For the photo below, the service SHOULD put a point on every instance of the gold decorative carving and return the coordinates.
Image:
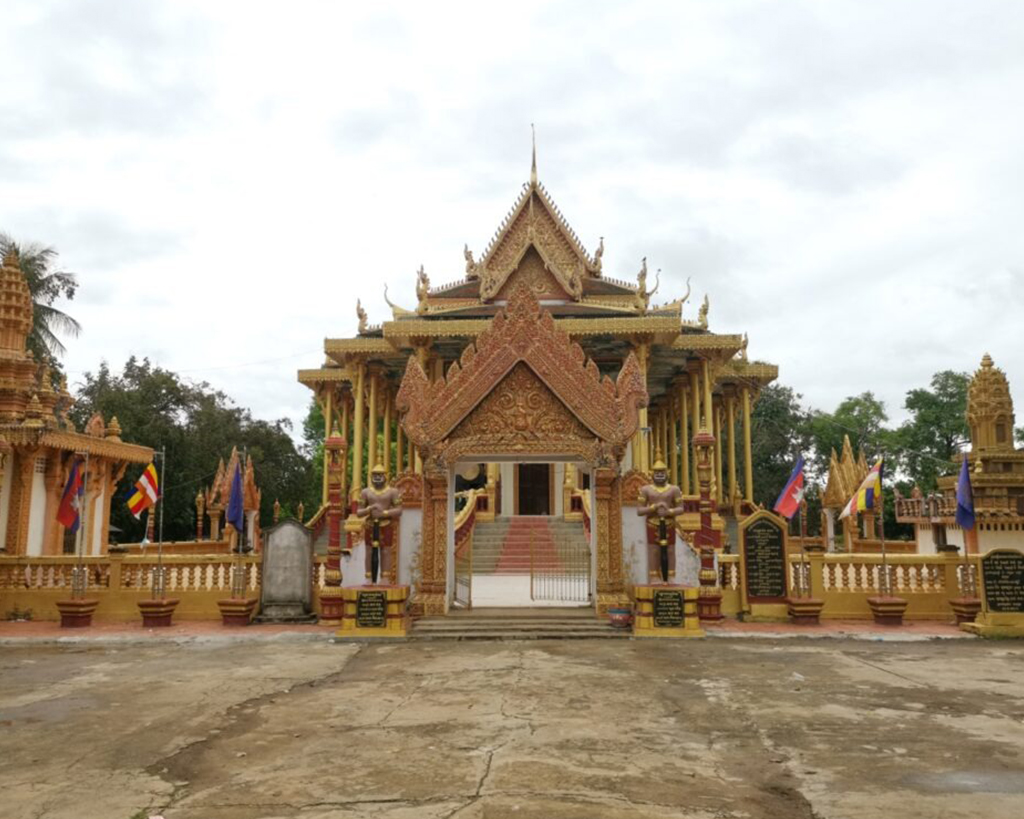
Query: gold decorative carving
(521, 416)
(990, 409)
(632, 482)
(535, 222)
(411, 486)
(534, 275)
(523, 333)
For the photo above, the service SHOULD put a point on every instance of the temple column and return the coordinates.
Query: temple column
(673, 441)
(663, 430)
(716, 414)
(387, 428)
(684, 442)
(708, 417)
(326, 407)
(731, 424)
(641, 440)
(431, 596)
(372, 453)
(357, 430)
(695, 422)
(607, 518)
(748, 461)
(399, 446)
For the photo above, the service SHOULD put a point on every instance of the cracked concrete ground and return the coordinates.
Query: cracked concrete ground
(696, 729)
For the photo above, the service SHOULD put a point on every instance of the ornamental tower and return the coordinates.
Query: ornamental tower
(990, 410)
(17, 366)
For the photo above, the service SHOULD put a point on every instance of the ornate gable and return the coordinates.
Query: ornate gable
(535, 222)
(844, 476)
(523, 334)
(521, 415)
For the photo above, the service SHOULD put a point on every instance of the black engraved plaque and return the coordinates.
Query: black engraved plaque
(371, 609)
(668, 608)
(1002, 573)
(764, 555)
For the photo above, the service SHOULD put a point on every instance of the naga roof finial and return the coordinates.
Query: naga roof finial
(361, 314)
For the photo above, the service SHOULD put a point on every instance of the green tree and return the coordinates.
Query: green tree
(937, 428)
(197, 426)
(46, 284)
(862, 417)
(779, 432)
(313, 450)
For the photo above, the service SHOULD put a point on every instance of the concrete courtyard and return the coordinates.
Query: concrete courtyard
(295, 726)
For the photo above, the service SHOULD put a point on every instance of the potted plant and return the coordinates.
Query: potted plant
(620, 617)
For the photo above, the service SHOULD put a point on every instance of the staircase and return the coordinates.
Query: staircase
(516, 624)
(502, 547)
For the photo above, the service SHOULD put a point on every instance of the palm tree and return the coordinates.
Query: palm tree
(45, 284)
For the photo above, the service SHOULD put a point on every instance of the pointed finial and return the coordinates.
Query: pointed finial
(533, 164)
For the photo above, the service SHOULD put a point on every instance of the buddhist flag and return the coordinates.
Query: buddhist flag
(964, 497)
(868, 493)
(792, 493)
(68, 513)
(146, 492)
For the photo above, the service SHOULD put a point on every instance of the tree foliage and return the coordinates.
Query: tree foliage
(862, 417)
(937, 428)
(197, 425)
(779, 432)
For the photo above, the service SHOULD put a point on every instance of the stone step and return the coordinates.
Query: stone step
(521, 624)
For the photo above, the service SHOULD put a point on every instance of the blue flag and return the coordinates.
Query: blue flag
(964, 497)
(236, 512)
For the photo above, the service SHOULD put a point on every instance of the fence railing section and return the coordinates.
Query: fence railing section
(845, 581)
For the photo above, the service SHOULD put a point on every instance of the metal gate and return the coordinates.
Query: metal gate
(562, 574)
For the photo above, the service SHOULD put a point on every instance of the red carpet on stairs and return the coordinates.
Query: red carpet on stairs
(515, 552)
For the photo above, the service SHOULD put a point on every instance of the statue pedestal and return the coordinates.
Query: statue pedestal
(374, 611)
(996, 624)
(666, 611)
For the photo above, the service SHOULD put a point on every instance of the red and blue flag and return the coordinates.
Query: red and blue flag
(793, 492)
(69, 511)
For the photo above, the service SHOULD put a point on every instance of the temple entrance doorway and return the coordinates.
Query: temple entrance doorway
(534, 489)
(536, 551)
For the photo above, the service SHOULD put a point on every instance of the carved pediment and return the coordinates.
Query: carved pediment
(535, 225)
(523, 334)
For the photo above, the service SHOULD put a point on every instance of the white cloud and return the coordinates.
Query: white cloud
(228, 178)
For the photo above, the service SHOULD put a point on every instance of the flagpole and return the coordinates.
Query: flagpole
(78, 583)
(886, 588)
(163, 474)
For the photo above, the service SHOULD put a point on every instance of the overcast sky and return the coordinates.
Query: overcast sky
(844, 179)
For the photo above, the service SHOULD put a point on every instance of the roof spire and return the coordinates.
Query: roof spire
(533, 164)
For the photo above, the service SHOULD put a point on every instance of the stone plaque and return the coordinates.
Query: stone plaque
(764, 556)
(668, 608)
(286, 592)
(371, 609)
(1002, 573)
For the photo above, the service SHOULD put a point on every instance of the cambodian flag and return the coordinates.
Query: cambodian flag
(793, 492)
(71, 500)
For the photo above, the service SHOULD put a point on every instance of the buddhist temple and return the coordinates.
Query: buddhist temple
(582, 341)
(997, 477)
(38, 443)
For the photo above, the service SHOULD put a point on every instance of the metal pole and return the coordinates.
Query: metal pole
(163, 473)
(886, 585)
(78, 583)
